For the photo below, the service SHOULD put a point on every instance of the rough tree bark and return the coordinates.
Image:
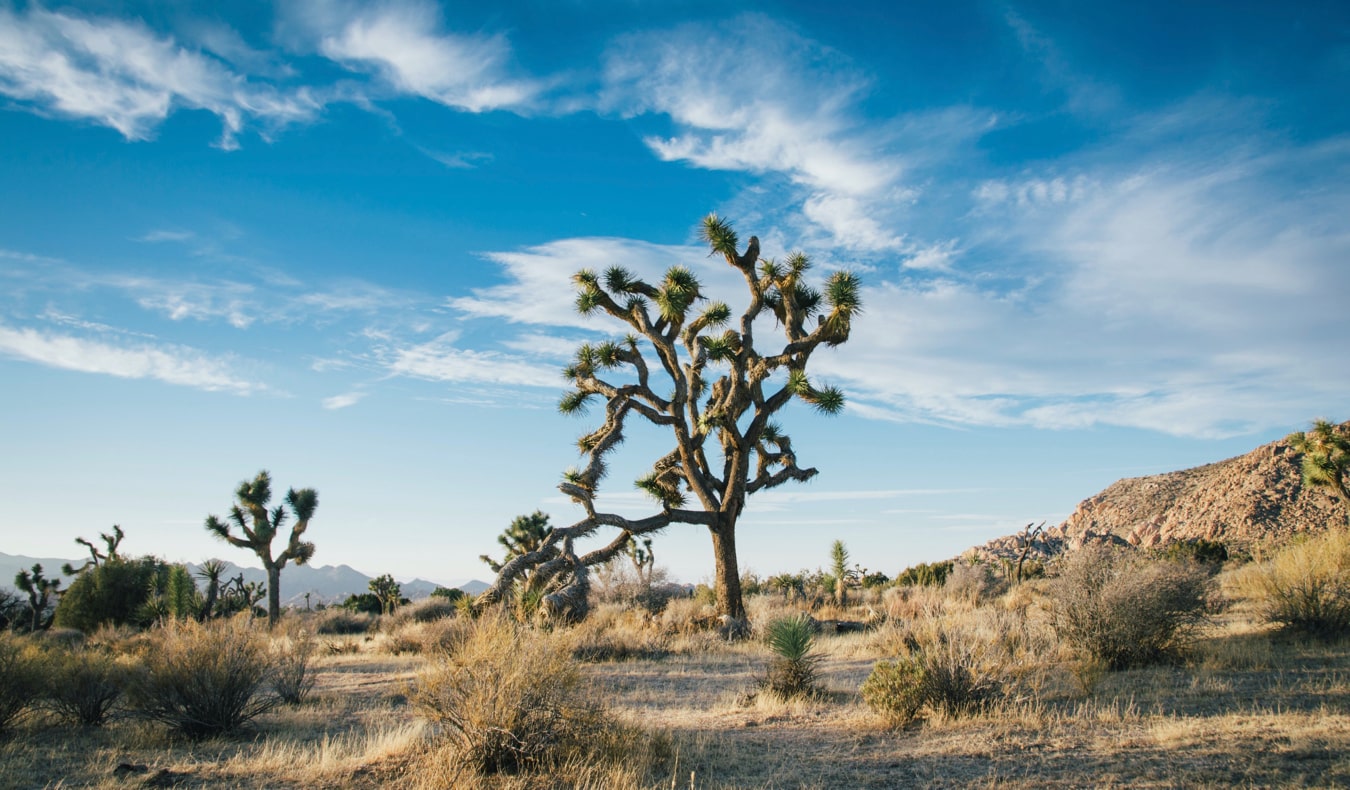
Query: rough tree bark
(716, 394)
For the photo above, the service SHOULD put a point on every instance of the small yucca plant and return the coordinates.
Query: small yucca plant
(795, 667)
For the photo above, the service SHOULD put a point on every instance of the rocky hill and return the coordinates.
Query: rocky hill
(1250, 499)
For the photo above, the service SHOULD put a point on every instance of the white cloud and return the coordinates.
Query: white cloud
(170, 364)
(343, 401)
(1197, 297)
(441, 360)
(402, 42)
(789, 110)
(539, 288)
(156, 236)
(458, 160)
(541, 345)
(122, 75)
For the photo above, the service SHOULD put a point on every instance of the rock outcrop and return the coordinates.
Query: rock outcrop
(1244, 501)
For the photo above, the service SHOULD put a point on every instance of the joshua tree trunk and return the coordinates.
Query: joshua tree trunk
(728, 573)
(273, 593)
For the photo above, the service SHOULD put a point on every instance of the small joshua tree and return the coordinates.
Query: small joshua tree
(691, 367)
(839, 569)
(40, 591)
(110, 543)
(1326, 458)
(387, 591)
(210, 572)
(526, 534)
(257, 526)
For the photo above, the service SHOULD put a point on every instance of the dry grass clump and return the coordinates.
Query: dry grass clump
(1305, 586)
(1121, 609)
(973, 583)
(905, 603)
(617, 633)
(292, 655)
(427, 610)
(205, 679)
(20, 678)
(688, 616)
(83, 684)
(338, 621)
(952, 667)
(510, 699)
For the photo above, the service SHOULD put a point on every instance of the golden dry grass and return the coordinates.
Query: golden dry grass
(1248, 708)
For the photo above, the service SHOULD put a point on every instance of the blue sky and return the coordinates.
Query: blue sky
(333, 240)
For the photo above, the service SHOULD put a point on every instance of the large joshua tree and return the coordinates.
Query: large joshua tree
(690, 366)
(257, 526)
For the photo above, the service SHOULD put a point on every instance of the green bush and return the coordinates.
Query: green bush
(925, 575)
(895, 690)
(340, 621)
(21, 680)
(113, 593)
(204, 679)
(1199, 550)
(1125, 609)
(1305, 587)
(83, 685)
(795, 667)
(954, 671)
(509, 699)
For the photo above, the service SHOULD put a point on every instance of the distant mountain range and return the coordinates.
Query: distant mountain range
(324, 583)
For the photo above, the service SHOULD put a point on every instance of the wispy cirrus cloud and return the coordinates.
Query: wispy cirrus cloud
(123, 75)
(405, 45)
(167, 363)
(1188, 293)
(442, 360)
(791, 111)
(343, 401)
(539, 287)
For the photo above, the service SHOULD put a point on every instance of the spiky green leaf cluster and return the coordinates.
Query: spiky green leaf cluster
(574, 402)
(662, 487)
(678, 291)
(718, 233)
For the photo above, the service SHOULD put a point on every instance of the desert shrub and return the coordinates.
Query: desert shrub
(204, 679)
(894, 690)
(614, 632)
(925, 575)
(795, 666)
(973, 582)
(21, 680)
(113, 593)
(364, 603)
(1125, 609)
(1205, 552)
(509, 699)
(958, 674)
(292, 653)
(444, 636)
(687, 616)
(450, 594)
(951, 669)
(426, 610)
(1305, 586)
(338, 621)
(84, 684)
